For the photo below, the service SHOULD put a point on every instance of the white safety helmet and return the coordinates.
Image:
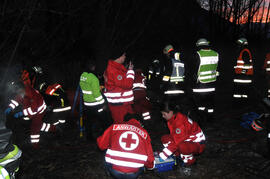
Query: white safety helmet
(242, 41)
(202, 42)
(37, 69)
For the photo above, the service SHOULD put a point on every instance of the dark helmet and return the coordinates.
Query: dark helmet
(167, 49)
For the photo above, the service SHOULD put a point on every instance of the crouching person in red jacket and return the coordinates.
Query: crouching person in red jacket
(129, 149)
(28, 104)
(186, 138)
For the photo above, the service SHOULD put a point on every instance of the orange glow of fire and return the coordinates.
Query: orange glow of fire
(260, 16)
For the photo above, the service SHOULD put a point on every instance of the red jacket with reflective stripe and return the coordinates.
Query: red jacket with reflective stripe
(241, 66)
(118, 83)
(32, 102)
(128, 146)
(184, 129)
(139, 88)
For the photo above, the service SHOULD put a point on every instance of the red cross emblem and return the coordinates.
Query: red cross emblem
(129, 140)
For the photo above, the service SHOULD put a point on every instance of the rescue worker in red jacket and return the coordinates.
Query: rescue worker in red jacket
(128, 147)
(118, 86)
(186, 138)
(54, 95)
(29, 76)
(266, 68)
(33, 108)
(142, 105)
(243, 75)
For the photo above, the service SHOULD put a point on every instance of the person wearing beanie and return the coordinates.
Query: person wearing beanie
(118, 86)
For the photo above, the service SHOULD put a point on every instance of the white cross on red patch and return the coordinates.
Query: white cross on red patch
(129, 140)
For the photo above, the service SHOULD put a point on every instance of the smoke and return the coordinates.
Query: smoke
(8, 77)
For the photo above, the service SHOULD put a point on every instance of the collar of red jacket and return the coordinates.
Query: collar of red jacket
(116, 65)
(134, 122)
(172, 119)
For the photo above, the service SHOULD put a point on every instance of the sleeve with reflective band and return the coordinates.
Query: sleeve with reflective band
(208, 66)
(128, 147)
(52, 88)
(166, 78)
(96, 90)
(13, 104)
(31, 111)
(241, 67)
(139, 81)
(169, 146)
(33, 104)
(3, 173)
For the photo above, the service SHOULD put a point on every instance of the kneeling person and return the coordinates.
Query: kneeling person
(186, 137)
(128, 147)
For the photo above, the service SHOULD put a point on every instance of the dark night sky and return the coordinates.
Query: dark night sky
(61, 35)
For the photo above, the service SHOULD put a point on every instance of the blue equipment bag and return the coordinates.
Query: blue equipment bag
(247, 119)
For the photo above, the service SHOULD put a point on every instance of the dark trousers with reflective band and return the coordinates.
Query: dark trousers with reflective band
(121, 175)
(56, 118)
(141, 104)
(205, 101)
(95, 122)
(242, 95)
(177, 93)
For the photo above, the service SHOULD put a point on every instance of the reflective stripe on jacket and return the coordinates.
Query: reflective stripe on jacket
(128, 147)
(177, 71)
(118, 83)
(32, 102)
(241, 67)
